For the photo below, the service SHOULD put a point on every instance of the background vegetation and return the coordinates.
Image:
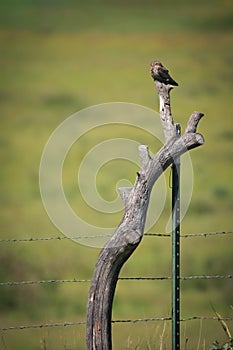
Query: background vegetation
(58, 57)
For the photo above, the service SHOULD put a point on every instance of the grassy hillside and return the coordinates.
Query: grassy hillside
(58, 57)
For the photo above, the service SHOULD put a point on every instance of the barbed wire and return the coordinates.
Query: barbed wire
(205, 234)
(43, 325)
(79, 323)
(59, 238)
(192, 318)
(15, 283)
(74, 280)
(181, 278)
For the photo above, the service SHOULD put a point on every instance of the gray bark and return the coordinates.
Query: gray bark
(129, 233)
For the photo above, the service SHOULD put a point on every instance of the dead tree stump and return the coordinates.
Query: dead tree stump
(129, 233)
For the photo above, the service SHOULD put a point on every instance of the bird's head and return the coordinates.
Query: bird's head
(154, 67)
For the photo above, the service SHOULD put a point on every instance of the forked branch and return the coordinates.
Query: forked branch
(136, 199)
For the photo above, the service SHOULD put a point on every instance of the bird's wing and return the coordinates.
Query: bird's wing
(164, 72)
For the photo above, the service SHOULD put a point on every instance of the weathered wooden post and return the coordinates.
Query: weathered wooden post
(129, 233)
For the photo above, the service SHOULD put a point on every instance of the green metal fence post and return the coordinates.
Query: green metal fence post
(176, 251)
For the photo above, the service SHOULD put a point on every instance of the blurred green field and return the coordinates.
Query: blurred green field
(58, 57)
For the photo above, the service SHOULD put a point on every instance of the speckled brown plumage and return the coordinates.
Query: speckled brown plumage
(161, 74)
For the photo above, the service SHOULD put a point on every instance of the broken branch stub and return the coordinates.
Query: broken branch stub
(129, 233)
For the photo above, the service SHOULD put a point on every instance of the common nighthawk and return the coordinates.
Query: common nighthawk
(161, 74)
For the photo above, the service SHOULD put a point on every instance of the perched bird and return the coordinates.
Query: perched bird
(161, 74)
